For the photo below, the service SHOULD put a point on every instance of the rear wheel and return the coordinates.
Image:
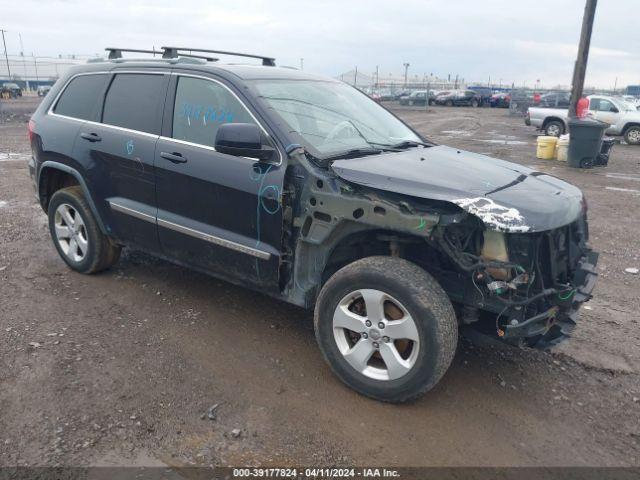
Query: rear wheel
(449, 103)
(554, 128)
(632, 135)
(76, 234)
(474, 103)
(386, 328)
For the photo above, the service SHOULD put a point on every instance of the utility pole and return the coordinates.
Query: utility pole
(580, 68)
(377, 75)
(355, 77)
(35, 66)
(301, 63)
(406, 70)
(6, 57)
(24, 62)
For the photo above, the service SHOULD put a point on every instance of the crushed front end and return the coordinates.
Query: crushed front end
(533, 283)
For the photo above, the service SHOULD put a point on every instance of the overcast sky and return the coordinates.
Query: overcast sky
(519, 41)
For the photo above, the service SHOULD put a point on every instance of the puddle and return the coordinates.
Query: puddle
(3, 203)
(623, 176)
(502, 142)
(615, 189)
(8, 157)
(459, 133)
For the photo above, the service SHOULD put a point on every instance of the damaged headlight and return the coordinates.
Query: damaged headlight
(494, 248)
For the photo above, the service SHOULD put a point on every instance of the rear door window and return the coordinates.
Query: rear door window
(81, 98)
(201, 106)
(135, 101)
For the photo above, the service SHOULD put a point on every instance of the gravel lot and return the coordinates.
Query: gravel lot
(121, 368)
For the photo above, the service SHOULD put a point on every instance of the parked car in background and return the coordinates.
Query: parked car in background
(43, 90)
(11, 90)
(632, 100)
(458, 97)
(401, 93)
(386, 95)
(555, 100)
(500, 100)
(623, 118)
(418, 97)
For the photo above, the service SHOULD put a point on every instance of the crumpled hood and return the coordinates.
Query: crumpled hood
(505, 196)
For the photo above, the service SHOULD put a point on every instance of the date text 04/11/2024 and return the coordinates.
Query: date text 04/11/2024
(315, 473)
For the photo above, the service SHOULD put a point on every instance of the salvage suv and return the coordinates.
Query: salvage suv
(303, 188)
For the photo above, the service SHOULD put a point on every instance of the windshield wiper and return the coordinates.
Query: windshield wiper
(353, 153)
(409, 144)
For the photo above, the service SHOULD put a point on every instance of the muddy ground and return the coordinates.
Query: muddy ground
(121, 367)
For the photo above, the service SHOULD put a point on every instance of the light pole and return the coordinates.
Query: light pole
(406, 71)
(301, 63)
(24, 62)
(6, 57)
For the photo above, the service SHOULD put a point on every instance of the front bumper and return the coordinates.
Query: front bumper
(559, 320)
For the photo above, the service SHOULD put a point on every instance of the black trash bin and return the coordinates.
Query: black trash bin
(605, 151)
(585, 141)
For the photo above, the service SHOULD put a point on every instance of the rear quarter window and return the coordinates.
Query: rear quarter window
(81, 97)
(135, 101)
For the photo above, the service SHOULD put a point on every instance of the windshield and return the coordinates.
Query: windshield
(332, 117)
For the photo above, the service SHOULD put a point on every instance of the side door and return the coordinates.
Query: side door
(604, 110)
(121, 149)
(219, 213)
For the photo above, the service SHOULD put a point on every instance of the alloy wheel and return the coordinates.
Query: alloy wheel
(376, 334)
(71, 232)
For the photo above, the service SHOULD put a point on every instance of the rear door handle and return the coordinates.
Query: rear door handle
(174, 157)
(92, 137)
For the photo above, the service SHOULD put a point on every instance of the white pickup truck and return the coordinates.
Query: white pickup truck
(623, 118)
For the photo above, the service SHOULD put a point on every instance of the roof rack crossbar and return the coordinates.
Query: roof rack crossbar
(117, 52)
(172, 52)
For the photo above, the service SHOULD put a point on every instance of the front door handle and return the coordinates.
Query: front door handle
(92, 137)
(174, 157)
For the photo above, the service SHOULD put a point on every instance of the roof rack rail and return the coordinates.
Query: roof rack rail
(115, 53)
(173, 52)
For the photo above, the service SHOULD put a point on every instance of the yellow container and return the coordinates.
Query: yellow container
(546, 147)
(562, 148)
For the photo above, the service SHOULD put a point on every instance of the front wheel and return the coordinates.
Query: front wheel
(449, 103)
(386, 328)
(474, 103)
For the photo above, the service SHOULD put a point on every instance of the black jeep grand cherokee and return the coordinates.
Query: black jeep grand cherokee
(303, 188)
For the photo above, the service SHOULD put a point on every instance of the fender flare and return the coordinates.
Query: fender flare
(49, 164)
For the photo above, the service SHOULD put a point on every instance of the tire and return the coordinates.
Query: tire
(449, 103)
(554, 128)
(422, 311)
(69, 212)
(474, 103)
(632, 135)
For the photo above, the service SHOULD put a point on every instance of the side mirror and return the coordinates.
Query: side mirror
(242, 140)
(613, 110)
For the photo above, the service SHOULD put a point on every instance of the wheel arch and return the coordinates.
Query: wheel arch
(53, 176)
(629, 125)
(349, 242)
(548, 120)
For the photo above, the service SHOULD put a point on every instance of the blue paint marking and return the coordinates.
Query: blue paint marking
(129, 146)
(207, 113)
(265, 192)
